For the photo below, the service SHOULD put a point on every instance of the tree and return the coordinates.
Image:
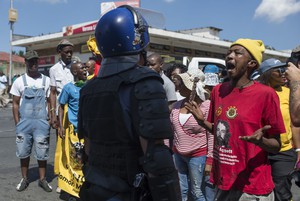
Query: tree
(19, 53)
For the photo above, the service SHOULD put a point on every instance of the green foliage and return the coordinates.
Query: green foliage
(19, 53)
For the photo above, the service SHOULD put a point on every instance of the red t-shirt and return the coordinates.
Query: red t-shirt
(238, 112)
(97, 68)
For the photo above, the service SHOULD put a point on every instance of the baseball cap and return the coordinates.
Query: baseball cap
(269, 64)
(255, 75)
(31, 54)
(211, 69)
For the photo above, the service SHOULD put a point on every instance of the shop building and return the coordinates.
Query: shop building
(173, 45)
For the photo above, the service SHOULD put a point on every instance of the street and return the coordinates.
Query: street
(10, 173)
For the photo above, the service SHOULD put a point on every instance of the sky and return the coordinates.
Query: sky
(275, 22)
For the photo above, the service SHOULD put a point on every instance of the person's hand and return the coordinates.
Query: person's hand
(292, 73)
(193, 108)
(61, 132)
(257, 136)
(207, 170)
(54, 122)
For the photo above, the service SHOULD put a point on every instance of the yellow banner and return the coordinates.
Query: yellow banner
(68, 159)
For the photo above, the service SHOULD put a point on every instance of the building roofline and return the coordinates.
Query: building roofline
(158, 35)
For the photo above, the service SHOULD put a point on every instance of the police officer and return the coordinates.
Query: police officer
(124, 117)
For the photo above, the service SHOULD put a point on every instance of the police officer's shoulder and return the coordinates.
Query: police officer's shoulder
(148, 84)
(141, 73)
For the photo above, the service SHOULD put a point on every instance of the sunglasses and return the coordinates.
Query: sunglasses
(281, 70)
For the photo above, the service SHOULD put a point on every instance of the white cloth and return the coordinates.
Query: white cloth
(3, 101)
(201, 92)
(188, 80)
(211, 79)
(3, 80)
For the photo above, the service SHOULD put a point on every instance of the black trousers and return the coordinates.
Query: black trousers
(282, 164)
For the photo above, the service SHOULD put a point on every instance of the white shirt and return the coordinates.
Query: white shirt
(18, 87)
(60, 75)
(183, 118)
(3, 79)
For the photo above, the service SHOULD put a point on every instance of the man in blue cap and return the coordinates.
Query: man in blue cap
(273, 75)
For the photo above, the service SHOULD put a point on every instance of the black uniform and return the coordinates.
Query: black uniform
(114, 112)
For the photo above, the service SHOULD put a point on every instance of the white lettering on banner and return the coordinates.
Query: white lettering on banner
(89, 28)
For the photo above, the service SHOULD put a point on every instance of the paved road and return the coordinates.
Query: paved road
(10, 173)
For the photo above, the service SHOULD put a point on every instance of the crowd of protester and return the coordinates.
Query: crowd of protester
(209, 134)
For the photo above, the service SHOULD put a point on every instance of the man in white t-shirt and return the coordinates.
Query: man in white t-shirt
(30, 102)
(3, 81)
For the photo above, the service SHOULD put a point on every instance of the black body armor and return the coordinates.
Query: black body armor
(114, 111)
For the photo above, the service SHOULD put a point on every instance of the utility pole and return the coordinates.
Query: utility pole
(12, 18)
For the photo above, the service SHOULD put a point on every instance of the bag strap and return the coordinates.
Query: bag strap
(24, 80)
(44, 80)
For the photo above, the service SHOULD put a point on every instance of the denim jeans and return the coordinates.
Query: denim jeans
(191, 175)
(210, 189)
(33, 132)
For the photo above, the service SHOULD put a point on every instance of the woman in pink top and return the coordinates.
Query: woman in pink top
(192, 144)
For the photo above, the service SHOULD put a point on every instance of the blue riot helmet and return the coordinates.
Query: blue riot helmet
(122, 31)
